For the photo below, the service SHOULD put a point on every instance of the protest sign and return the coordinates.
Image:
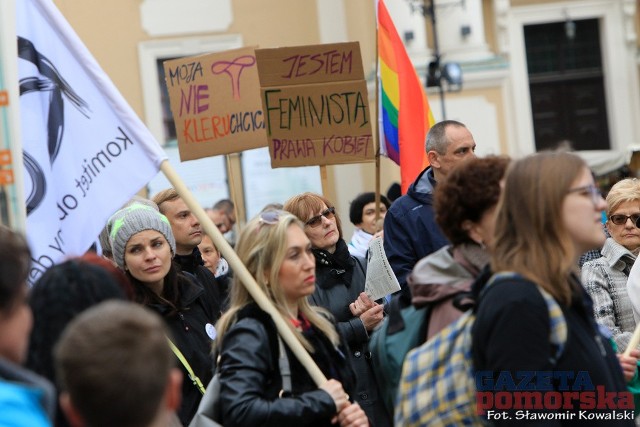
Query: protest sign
(315, 104)
(215, 100)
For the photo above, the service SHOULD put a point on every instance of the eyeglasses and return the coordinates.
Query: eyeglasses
(620, 219)
(588, 190)
(315, 221)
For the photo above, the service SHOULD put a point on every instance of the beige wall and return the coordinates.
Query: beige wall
(275, 23)
(111, 31)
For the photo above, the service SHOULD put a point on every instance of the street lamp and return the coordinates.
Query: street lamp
(437, 72)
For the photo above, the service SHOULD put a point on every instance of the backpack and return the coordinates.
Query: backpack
(437, 386)
(403, 329)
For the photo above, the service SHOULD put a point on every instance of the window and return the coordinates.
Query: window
(566, 85)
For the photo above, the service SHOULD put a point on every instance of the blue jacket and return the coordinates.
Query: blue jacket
(410, 228)
(26, 399)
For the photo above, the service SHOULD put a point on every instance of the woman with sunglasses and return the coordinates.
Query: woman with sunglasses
(605, 278)
(277, 253)
(548, 215)
(340, 280)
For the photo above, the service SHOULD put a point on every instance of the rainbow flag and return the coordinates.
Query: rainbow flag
(404, 113)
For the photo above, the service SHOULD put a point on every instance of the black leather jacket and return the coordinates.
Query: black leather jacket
(250, 380)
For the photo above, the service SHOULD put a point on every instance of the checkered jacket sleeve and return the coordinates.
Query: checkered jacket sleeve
(607, 286)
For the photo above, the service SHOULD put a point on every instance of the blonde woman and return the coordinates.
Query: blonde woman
(605, 278)
(277, 253)
(340, 280)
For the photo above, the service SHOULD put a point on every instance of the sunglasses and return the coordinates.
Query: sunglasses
(315, 221)
(269, 217)
(619, 219)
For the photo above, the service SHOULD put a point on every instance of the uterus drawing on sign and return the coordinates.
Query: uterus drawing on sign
(234, 69)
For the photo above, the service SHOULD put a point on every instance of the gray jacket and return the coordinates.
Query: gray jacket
(605, 279)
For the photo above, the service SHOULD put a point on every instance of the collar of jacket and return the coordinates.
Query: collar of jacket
(422, 188)
(614, 252)
(190, 291)
(189, 262)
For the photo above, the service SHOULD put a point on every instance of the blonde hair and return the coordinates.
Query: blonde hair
(627, 190)
(530, 236)
(262, 247)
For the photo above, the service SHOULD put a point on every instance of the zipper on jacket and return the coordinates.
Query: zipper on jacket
(184, 322)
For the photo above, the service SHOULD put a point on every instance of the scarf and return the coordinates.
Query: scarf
(339, 263)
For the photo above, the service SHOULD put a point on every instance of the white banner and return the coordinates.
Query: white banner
(85, 150)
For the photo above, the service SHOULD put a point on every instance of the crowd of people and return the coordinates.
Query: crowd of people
(134, 336)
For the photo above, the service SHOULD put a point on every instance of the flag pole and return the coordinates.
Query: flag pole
(243, 274)
(14, 196)
(376, 137)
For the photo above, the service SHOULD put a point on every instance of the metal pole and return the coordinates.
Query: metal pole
(431, 10)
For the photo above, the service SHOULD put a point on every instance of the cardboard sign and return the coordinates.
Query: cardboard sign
(215, 100)
(315, 104)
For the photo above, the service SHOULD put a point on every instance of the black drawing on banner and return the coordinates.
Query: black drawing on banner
(49, 80)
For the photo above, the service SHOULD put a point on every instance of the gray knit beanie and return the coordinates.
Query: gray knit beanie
(104, 238)
(134, 219)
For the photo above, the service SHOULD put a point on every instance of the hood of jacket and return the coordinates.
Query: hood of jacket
(438, 277)
(422, 188)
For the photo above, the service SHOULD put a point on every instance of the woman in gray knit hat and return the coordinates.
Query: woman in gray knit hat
(143, 246)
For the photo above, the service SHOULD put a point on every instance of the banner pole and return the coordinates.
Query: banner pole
(324, 180)
(633, 343)
(376, 132)
(10, 138)
(233, 189)
(243, 274)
